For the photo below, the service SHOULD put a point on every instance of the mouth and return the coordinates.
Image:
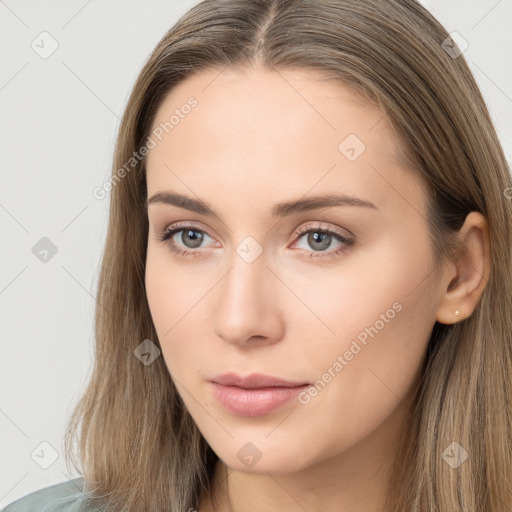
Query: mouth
(254, 395)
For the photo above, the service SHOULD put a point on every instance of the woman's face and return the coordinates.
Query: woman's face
(338, 295)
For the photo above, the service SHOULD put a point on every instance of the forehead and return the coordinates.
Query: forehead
(267, 130)
(232, 99)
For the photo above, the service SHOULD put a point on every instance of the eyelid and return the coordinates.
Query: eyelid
(311, 226)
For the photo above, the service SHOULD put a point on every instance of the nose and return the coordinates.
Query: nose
(248, 309)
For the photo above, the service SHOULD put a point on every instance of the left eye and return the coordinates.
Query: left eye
(320, 240)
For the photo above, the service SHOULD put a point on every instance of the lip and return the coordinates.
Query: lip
(254, 395)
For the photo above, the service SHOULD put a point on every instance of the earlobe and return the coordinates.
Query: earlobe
(469, 274)
(450, 311)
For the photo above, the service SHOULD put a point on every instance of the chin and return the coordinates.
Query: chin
(265, 456)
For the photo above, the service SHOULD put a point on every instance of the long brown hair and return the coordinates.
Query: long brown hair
(138, 445)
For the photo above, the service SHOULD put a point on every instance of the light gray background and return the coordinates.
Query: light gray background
(59, 119)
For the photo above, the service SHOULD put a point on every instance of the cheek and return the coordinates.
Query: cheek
(175, 300)
(380, 312)
(171, 291)
(337, 302)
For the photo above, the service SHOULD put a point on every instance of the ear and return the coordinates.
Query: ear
(466, 277)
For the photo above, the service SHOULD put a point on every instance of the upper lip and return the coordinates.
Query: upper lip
(254, 381)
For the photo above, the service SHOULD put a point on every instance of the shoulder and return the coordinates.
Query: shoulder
(64, 497)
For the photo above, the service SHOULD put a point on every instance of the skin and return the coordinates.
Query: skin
(257, 138)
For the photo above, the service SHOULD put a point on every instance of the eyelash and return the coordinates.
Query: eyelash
(168, 233)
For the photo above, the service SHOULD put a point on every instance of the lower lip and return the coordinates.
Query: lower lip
(254, 402)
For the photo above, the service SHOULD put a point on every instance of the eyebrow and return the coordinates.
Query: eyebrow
(279, 210)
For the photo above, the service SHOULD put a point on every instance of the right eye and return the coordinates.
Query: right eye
(191, 238)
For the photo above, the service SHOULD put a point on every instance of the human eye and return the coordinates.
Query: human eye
(321, 238)
(191, 239)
